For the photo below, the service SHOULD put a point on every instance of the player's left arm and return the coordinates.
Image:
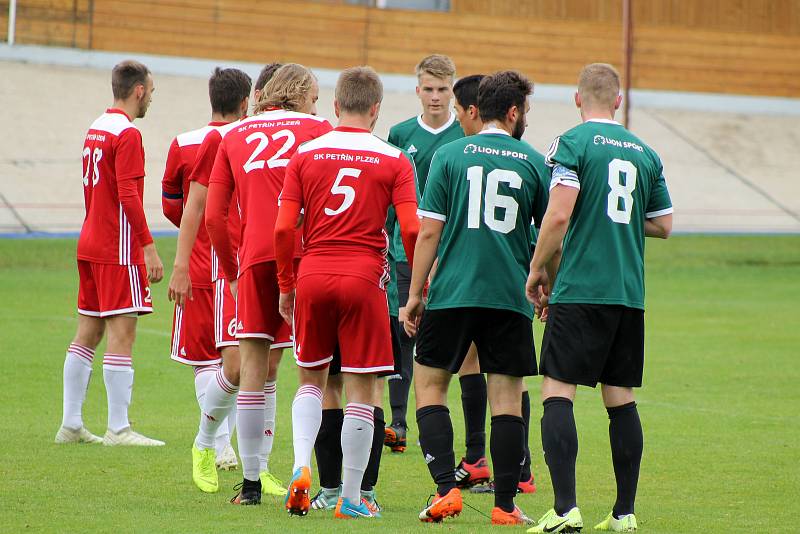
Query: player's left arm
(129, 164)
(405, 200)
(658, 215)
(172, 186)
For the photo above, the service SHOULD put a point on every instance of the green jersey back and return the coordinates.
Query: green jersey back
(487, 188)
(621, 184)
(420, 142)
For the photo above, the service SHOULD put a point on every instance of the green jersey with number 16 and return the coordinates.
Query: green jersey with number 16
(486, 188)
(621, 184)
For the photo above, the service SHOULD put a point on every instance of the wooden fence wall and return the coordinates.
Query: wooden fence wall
(726, 46)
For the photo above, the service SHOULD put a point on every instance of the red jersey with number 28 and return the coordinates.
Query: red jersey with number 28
(345, 182)
(115, 229)
(181, 159)
(253, 157)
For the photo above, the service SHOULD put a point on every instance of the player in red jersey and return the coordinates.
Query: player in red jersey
(346, 181)
(193, 332)
(220, 395)
(116, 259)
(251, 160)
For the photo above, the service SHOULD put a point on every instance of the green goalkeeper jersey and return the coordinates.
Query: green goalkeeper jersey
(487, 188)
(621, 184)
(420, 142)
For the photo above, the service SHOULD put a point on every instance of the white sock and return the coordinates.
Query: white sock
(306, 418)
(202, 376)
(357, 429)
(220, 398)
(270, 404)
(118, 376)
(250, 421)
(222, 439)
(77, 372)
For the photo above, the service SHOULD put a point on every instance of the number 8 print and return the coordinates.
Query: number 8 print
(619, 191)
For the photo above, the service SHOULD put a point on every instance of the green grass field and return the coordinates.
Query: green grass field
(719, 407)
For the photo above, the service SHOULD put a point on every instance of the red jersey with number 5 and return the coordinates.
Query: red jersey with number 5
(253, 157)
(114, 229)
(345, 181)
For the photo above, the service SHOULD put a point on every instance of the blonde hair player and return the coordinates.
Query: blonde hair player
(420, 136)
(250, 163)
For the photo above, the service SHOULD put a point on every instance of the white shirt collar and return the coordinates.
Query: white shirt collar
(492, 129)
(604, 121)
(436, 131)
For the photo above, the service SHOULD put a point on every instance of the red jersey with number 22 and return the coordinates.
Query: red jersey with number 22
(345, 181)
(253, 156)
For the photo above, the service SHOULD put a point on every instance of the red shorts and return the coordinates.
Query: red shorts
(224, 315)
(105, 289)
(192, 330)
(347, 311)
(257, 302)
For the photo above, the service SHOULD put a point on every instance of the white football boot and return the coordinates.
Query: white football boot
(68, 435)
(128, 437)
(227, 460)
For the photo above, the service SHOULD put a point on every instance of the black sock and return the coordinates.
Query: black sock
(436, 439)
(508, 452)
(473, 400)
(625, 431)
(370, 479)
(328, 448)
(526, 419)
(560, 446)
(399, 387)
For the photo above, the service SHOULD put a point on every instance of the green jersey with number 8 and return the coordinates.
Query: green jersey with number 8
(486, 188)
(621, 184)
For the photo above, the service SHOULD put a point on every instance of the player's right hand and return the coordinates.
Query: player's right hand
(180, 286)
(413, 312)
(155, 269)
(286, 306)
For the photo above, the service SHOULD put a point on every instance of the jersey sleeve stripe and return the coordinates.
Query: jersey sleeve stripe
(548, 159)
(659, 213)
(171, 196)
(432, 215)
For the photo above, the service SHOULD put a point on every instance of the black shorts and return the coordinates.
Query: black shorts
(504, 340)
(403, 281)
(335, 367)
(590, 343)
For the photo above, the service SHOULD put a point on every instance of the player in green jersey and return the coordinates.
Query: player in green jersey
(473, 469)
(482, 193)
(607, 194)
(419, 136)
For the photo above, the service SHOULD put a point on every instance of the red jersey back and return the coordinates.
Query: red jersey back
(112, 153)
(181, 160)
(345, 181)
(253, 156)
(201, 174)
